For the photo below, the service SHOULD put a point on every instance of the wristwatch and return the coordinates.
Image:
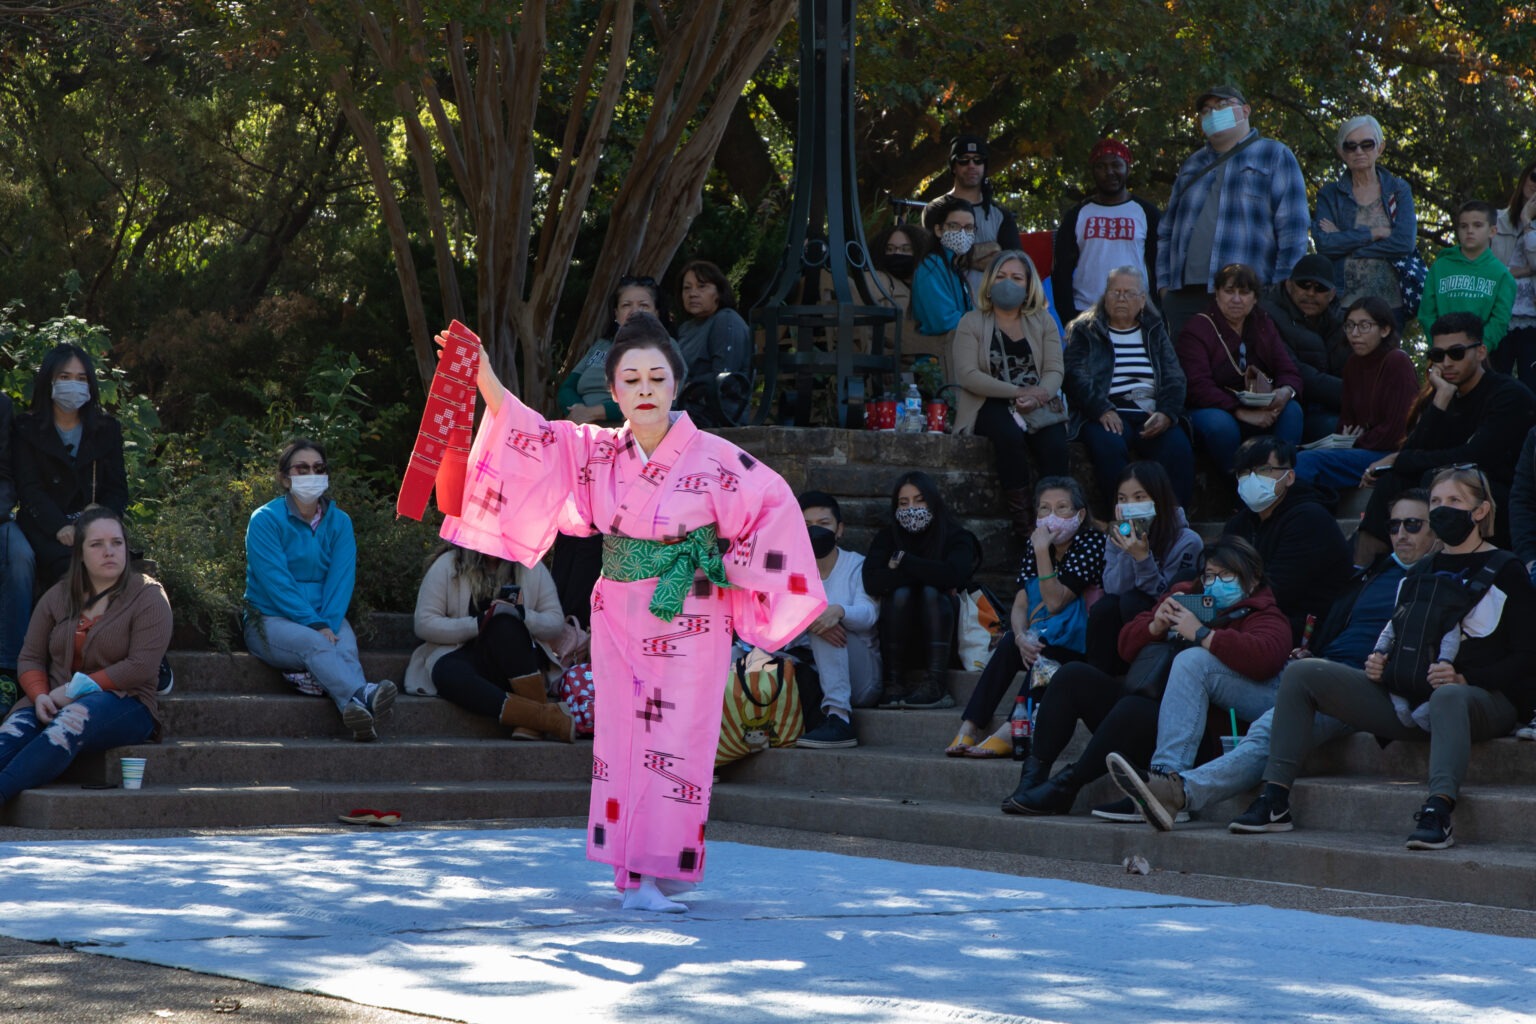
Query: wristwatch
(1202, 633)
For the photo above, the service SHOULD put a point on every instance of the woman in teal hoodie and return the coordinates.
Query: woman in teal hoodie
(300, 564)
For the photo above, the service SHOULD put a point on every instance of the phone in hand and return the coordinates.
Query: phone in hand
(511, 593)
(1203, 605)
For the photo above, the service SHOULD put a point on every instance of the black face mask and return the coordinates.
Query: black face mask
(1451, 525)
(823, 540)
(900, 264)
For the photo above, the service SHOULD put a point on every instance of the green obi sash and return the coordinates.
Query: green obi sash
(672, 565)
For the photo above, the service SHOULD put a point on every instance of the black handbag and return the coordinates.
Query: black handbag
(1148, 674)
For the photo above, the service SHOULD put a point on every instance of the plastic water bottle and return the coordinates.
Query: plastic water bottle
(912, 411)
(1019, 728)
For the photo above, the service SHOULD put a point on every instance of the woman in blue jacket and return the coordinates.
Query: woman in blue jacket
(1365, 220)
(301, 561)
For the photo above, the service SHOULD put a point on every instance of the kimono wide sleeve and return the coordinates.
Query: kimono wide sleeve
(775, 590)
(528, 479)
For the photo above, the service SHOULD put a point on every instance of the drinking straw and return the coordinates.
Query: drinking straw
(1306, 633)
(1233, 713)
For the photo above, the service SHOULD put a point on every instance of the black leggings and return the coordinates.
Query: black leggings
(478, 675)
(1106, 618)
(1005, 663)
(916, 614)
(1014, 448)
(1119, 723)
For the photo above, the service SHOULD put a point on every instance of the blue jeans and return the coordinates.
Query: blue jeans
(1110, 452)
(290, 647)
(1198, 680)
(32, 754)
(1243, 769)
(1336, 467)
(16, 574)
(1220, 433)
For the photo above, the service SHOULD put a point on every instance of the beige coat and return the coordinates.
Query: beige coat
(443, 621)
(972, 362)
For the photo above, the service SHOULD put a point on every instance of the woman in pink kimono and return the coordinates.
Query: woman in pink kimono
(699, 537)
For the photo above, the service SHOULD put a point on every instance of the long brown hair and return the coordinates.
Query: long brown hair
(81, 596)
(1517, 197)
(486, 574)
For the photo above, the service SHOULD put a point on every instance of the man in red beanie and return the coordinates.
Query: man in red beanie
(1109, 229)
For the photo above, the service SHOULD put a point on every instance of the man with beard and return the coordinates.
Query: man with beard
(1110, 228)
(995, 228)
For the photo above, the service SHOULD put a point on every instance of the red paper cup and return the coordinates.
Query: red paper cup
(937, 413)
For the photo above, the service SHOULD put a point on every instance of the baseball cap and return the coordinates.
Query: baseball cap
(1221, 92)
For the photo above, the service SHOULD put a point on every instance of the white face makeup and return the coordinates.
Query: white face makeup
(643, 387)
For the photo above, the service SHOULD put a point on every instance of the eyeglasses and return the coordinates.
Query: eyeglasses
(1217, 105)
(1124, 293)
(643, 282)
(970, 161)
(1362, 326)
(1411, 525)
(1209, 577)
(1456, 352)
(1273, 472)
(898, 250)
(1313, 287)
(306, 468)
(1364, 144)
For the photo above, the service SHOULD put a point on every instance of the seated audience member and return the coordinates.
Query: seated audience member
(1006, 358)
(1365, 219)
(1050, 610)
(91, 661)
(1514, 243)
(941, 294)
(1109, 229)
(1344, 638)
(576, 563)
(1126, 387)
(842, 639)
(1233, 348)
(1484, 693)
(483, 621)
(67, 455)
(1473, 415)
(1243, 637)
(1304, 551)
(715, 342)
(916, 564)
(16, 571)
(1380, 384)
(301, 561)
(1469, 278)
(1150, 547)
(1307, 313)
(584, 395)
(893, 256)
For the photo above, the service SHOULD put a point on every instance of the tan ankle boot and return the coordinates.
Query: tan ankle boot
(549, 719)
(530, 686)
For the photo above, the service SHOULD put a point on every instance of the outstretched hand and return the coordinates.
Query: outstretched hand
(491, 389)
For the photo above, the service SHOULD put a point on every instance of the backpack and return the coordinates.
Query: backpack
(1429, 605)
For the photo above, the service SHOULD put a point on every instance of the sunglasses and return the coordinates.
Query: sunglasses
(970, 161)
(1313, 287)
(1411, 525)
(1456, 352)
(1365, 144)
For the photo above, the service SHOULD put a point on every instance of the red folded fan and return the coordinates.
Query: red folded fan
(441, 454)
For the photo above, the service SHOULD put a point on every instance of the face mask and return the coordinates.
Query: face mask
(1452, 525)
(914, 520)
(1224, 594)
(1405, 566)
(823, 540)
(308, 488)
(958, 242)
(1138, 510)
(1007, 294)
(1061, 528)
(900, 264)
(1218, 120)
(1257, 492)
(71, 394)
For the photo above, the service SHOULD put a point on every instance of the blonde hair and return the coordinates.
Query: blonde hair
(1034, 292)
(1471, 478)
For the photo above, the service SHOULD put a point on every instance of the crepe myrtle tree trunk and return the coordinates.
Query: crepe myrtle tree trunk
(465, 81)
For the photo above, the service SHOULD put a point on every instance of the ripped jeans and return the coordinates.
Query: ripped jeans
(33, 754)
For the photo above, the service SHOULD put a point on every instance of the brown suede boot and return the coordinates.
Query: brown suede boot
(531, 687)
(548, 719)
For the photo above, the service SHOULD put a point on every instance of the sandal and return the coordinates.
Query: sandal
(964, 740)
(999, 744)
(366, 816)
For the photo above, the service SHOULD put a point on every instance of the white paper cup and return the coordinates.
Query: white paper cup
(1228, 744)
(133, 772)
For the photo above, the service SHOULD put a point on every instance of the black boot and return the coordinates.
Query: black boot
(933, 691)
(1034, 772)
(893, 693)
(1053, 796)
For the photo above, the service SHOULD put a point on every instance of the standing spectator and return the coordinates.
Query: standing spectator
(1108, 230)
(1006, 359)
(300, 564)
(17, 570)
(1239, 199)
(1468, 277)
(1305, 554)
(915, 565)
(1380, 384)
(1218, 348)
(1514, 243)
(843, 640)
(1365, 220)
(68, 457)
(1472, 415)
(1125, 386)
(716, 343)
(941, 294)
(995, 228)
(584, 396)
(1306, 311)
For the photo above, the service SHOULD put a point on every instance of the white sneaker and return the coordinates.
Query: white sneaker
(1527, 732)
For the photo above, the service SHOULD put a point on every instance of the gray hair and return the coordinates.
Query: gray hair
(1353, 125)
(1128, 270)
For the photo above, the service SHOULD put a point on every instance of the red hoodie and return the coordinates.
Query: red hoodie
(1256, 645)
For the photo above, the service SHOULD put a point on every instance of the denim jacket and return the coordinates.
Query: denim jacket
(1336, 203)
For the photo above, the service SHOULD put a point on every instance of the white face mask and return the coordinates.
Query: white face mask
(308, 488)
(958, 242)
(1257, 491)
(71, 394)
(1216, 121)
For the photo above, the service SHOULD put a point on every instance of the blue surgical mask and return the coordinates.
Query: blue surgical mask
(1219, 120)
(1257, 491)
(1405, 566)
(71, 394)
(1224, 594)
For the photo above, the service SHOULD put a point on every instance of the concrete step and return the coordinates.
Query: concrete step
(258, 761)
(194, 714)
(1484, 813)
(238, 672)
(1490, 874)
(63, 806)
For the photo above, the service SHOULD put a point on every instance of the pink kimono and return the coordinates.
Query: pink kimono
(660, 685)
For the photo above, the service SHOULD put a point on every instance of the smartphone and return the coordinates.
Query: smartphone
(509, 592)
(1130, 526)
(1203, 605)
